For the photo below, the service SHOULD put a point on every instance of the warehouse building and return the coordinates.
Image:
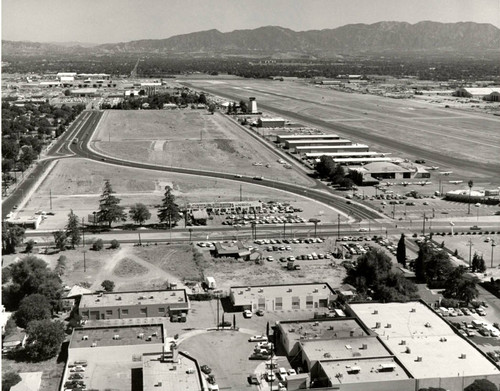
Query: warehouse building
(293, 144)
(485, 93)
(125, 305)
(282, 297)
(428, 348)
(332, 148)
(270, 122)
(282, 138)
(387, 170)
(229, 206)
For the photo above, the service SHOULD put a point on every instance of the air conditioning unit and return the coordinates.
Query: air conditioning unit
(315, 291)
(85, 338)
(151, 297)
(116, 336)
(413, 310)
(377, 325)
(375, 312)
(388, 326)
(140, 336)
(403, 342)
(419, 359)
(463, 356)
(94, 344)
(261, 290)
(364, 347)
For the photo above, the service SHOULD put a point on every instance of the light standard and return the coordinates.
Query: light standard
(478, 205)
(493, 244)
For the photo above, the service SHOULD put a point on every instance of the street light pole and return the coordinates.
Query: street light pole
(493, 244)
(470, 184)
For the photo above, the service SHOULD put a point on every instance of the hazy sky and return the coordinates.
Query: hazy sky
(101, 21)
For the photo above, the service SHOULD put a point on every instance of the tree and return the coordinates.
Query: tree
(29, 246)
(460, 287)
(325, 167)
(114, 244)
(401, 251)
(109, 209)
(139, 213)
(108, 285)
(10, 379)
(211, 108)
(60, 239)
(32, 307)
(12, 236)
(202, 99)
(478, 264)
(243, 106)
(73, 231)
(169, 210)
(481, 385)
(44, 339)
(31, 275)
(97, 245)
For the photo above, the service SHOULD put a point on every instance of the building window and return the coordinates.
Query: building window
(262, 303)
(109, 312)
(295, 303)
(124, 312)
(309, 302)
(144, 311)
(279, 303)
(161, 310)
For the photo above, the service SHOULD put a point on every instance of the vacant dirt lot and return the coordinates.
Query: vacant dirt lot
(188, 138)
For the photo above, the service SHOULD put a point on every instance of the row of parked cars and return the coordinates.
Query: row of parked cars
(75, 380)
(289, 241)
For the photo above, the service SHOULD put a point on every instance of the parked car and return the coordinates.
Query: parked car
(206, 369)
(260, 312)
(253, 379)
(258, 338)
(247, 314)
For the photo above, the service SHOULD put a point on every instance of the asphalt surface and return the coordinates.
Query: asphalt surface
(394, 144)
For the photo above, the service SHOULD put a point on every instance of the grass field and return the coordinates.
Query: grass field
(190, 139)
(76, 184)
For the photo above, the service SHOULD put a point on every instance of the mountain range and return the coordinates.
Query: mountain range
(352, 39)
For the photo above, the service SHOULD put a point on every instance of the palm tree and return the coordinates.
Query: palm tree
(470, 190)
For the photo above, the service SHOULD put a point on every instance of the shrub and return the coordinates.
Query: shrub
(97, 245)
(115, 244)
(10, 379)
(108, 285)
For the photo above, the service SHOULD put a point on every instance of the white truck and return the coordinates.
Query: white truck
(210, 281)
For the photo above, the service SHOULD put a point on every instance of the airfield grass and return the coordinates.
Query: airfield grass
(189, 139)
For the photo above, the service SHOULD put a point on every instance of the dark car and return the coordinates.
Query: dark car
(253, 379)
(206, 369)
(260, 312)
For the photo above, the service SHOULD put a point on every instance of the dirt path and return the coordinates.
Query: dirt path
(153, 275)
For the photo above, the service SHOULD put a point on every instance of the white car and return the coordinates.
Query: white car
(292, 372)
(247, 314)
(258, 338)
(270, 376)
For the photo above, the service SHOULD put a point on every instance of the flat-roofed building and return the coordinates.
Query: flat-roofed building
(124, 305)
(337, 155)
(361, 160)
(270, 122)
(29, 222)
(281, 138)
(426, 345)
(112, 355)
(282, 297)
(479, 93)
(332, 148)
(293, 144)
(291, 333)
(370, 374)
(160, 375)
(384, 170)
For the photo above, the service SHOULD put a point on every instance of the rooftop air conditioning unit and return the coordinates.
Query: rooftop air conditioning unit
(375, 312)
(140, 336)
(419, 359)
(85, 338)
(413, 310)
(388, 325)
(377, 325)
(315, 291)
(94, 344)
(463, 356)
(261, 290)
(119, 298)
(116, 336)
(141, 297)
(403, 342)
(408, 350)
(364, 347)
(249, 289)
(289, 290)
(151, 297)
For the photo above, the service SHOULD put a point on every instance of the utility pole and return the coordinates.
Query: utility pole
(217, 312)
(83, 230)
(493, 244)
(84, 262)
(423, 223)
(470, 184)
(240, 193)
(470, 252)
(50, 198)
(140, 243)
(338, 227)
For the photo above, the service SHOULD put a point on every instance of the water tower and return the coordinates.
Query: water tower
(252, 105)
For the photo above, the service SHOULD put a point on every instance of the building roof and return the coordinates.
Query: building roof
(344, 154)
(30, 381)
(363, 370)
(344, 348)
(162, 376)
(480, 91)
(15, 337)
(200, 214)
(120, 299)
(318, 142)
(77, 290)
(84, 91)
(271, 119)
(245, 295)
(308, 136)
(333, 328)
(384, 167)
(106, 336)
(327, 147)
(427, 336)
(368, 160)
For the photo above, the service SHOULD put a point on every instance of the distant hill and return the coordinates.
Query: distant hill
(382, 37)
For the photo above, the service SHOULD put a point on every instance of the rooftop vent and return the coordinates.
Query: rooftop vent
(408, 350)
(388, 326)
(180, 299)
(289, 290)
(96, 300)
(141, 297)
(99, 295)
(151, 297)
(463, 356)
(443, 339)
(119, 298)
(140, 336)
(94, 344)
(261, 290)
(413, 310)
(419, 359)
(377, 325)
(116, 336)
(240, 292)
(375, 312)
(403, 342)
(173, 293)
(249, 289)
(327, 355)
(315, 291)
(364, 347)
(427, 324)
(85, 338)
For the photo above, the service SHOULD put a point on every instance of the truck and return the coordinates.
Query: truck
(210, 281)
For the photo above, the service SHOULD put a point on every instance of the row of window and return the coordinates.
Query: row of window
(278, 303)
(143, 311)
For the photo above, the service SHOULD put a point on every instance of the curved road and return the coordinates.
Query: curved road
(84, 135)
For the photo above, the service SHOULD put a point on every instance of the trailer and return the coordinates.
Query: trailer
(210, 281)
